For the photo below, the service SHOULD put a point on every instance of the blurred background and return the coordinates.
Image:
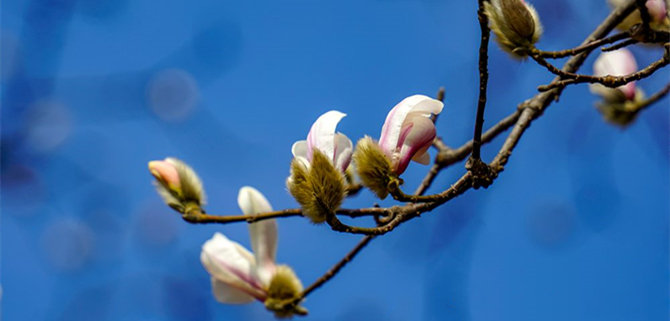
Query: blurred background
(576, 228)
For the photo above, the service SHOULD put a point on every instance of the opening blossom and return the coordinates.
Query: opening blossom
(408, 131)
(322, 136)
(616, 63)
(239, 276)
(407, 134)
(317, 180)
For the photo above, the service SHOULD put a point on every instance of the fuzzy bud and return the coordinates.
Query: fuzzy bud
(373, 167)
(178, 184)
(516, 25)
(621, 113)
(284, 287)
(319, 189)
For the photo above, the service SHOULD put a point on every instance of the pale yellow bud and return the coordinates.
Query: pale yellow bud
(516, 25)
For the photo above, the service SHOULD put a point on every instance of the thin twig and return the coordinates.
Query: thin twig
(483, 79)
(654, 98)
(583, 48)
(337, 267)
(612, 81)
(620, 45)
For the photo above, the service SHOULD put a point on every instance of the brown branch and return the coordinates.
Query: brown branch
(198, 217)
(654, 98)
(483, 79)
(583, 48)
(620, 45)
(337, 267)
(609, 80)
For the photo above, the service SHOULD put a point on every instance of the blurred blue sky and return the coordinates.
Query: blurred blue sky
(576, 228)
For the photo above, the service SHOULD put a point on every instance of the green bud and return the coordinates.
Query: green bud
(373, 167)
(516, 25)
(319, 189)
(284, 287)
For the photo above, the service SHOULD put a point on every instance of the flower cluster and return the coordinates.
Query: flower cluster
(321, 171)
(317, 179)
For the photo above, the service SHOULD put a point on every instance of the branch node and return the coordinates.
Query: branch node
(482, 174)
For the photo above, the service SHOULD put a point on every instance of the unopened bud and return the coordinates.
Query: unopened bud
(516, 25)
(621, 113)
(178, 184)
(284, 288)
(319, 189)
(373, 167)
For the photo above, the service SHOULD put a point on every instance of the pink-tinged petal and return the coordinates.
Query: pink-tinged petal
(418, 135)
(616, 63)
(230, 263)
(166, 172)
(263, 233)
(657, 9)
(322, 134)
(343, 151)
(391, 131)
(226, 293)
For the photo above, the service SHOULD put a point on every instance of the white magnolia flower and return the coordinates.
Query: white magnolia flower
(239, 276)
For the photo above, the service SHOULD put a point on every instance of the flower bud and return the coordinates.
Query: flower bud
(319, 188)
(373, 167)
(516, 25)
(284, 286)
(178, 184)
(621, 113)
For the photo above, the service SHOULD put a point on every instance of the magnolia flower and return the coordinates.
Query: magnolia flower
(515, 24)
(322, 136)
(408, 131)
(615, 63)
(317, 180)
(239, 276)
(656, 8)
(178, 184)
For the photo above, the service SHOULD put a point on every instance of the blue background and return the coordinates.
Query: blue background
(576, 228)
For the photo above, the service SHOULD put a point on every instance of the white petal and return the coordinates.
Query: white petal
(229, 262)
(226, 293)
(299, 149)
(421, 104)
(263, 233)
(322, 133)
(343, 151)
(422, 158)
